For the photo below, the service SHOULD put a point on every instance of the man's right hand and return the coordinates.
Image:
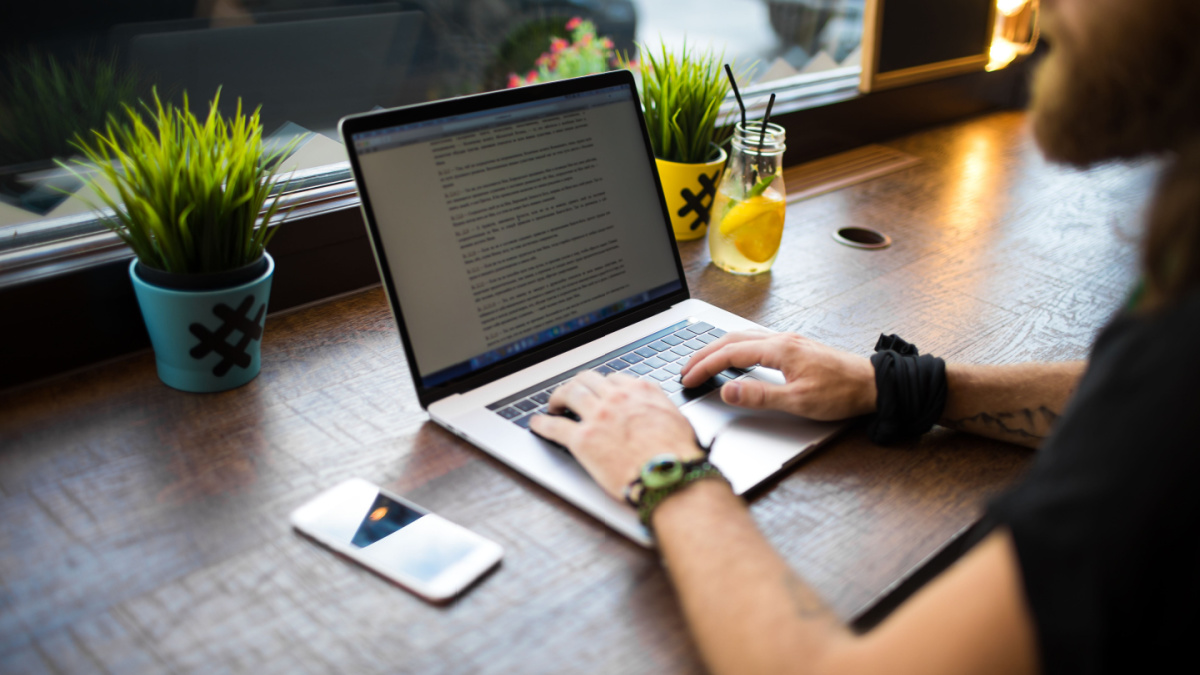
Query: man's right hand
(823, 383)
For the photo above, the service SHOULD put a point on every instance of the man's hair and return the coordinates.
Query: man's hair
(1125, 85)
(1171, 249)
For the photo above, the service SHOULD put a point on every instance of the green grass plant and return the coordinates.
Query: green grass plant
(190, 194)
(681, 99)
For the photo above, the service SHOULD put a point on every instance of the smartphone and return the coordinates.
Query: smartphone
(397, 539)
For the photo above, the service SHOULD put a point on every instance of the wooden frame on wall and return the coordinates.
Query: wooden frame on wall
(875, 21)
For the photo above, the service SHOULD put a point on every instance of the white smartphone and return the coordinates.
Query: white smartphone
(397, 539)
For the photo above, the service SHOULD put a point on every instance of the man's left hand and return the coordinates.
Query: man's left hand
(623, 422)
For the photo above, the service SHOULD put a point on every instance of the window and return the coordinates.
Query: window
(309, 62)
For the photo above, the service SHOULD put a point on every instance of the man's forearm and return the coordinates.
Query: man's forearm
(747, 610)
(749, 613)
(1018, 403)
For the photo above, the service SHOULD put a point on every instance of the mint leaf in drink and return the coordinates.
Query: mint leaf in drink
(760, 186)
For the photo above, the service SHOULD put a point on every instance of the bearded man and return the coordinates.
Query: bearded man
(1086, 563)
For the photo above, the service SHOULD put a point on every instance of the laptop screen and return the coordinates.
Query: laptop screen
(508, 228)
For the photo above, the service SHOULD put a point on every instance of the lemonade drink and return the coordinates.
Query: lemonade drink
(746, 240)
(749, 208)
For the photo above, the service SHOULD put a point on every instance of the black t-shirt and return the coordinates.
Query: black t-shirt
(1105, 523)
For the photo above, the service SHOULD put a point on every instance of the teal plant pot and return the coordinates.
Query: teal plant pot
(205, 340)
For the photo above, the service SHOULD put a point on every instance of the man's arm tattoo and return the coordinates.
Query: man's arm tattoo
(1027, 423)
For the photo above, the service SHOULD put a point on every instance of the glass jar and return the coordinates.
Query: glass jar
(751, 202)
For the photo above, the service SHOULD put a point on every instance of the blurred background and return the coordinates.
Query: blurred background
(67, 64)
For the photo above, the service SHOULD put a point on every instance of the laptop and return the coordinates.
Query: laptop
(521, 237)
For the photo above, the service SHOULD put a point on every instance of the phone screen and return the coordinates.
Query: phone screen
(424, 552)
(394, 538)
(382, 518)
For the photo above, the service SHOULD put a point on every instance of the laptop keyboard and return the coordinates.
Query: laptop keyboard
(658, 358)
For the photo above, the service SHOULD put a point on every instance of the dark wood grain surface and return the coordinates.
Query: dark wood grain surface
(145, 530)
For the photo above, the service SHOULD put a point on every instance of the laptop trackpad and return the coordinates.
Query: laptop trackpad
(750, 445)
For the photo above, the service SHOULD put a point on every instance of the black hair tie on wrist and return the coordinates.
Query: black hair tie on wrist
(910, 391)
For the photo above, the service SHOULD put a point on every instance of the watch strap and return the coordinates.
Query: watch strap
(646, 500)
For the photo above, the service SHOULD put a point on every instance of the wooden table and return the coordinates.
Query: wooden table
(145, 530)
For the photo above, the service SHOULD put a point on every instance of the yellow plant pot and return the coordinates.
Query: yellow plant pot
(690, 190)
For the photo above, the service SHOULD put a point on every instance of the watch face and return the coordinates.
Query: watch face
(662, 471)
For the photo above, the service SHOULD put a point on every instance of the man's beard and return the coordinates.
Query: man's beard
(1125, 86)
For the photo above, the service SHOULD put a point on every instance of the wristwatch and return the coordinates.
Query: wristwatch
(662, 476)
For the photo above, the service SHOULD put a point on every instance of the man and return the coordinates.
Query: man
(1086, 559)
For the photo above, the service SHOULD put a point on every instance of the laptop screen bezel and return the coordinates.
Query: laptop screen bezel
(356, 124)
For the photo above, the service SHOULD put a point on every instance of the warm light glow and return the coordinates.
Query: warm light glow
(378, 513)
(1010, 7)
(968, 208)
(1003, 53)
(1016, 32)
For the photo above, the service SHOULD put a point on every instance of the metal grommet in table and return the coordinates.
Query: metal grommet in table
(861, 237)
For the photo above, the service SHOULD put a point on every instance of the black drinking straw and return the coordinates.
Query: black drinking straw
(736, 93)
(766, 118)
(762, 134)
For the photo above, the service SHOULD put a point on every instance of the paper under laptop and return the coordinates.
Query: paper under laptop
(521, 236)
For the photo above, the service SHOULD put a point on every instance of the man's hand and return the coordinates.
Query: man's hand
(823, 383)
(623, 423)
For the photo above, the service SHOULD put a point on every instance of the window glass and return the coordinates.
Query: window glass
(68, 64)
(779, 38)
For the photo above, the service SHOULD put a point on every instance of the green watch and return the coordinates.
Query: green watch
(663, 476)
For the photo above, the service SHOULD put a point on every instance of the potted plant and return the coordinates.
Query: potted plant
(681, 100)
(188, 196)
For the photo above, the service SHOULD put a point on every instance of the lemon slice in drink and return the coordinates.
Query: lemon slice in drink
(755, 226)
